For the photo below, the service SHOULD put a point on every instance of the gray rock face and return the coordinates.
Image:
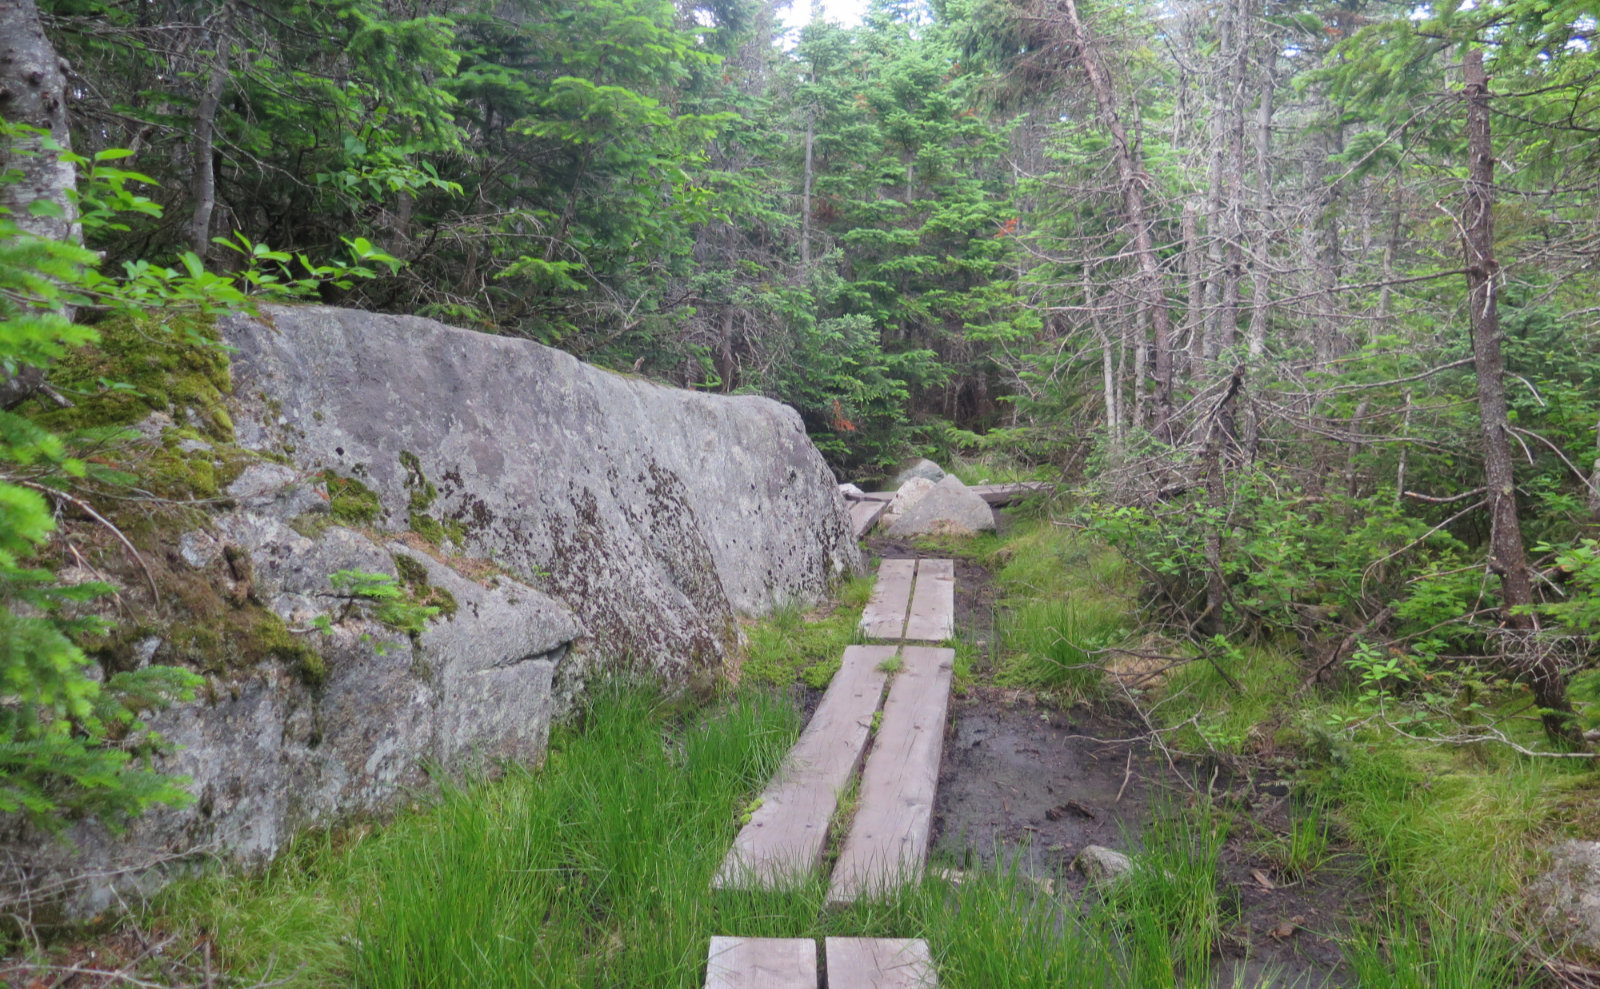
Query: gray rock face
(949, 508)
(656, 514)
(271, 750)
(922, 468)
(625, 522)
(1569, 895)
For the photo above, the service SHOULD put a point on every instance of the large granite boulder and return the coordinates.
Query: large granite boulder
(948, 508)
(656, 514)
(558, 517)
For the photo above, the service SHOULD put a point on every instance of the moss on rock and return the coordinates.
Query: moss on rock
(171, 363)
(350, 502)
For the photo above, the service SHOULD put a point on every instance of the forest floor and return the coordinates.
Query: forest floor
(1027, 781)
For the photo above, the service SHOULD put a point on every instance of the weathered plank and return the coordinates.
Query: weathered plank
(888, 840)
(863, 514)
(879, 963)
(869, 495)
(761, 963)
(1004, 494)
(933, 603)
(788, 830)
(885, 614)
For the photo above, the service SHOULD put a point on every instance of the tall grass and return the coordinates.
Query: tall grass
(1063, 600)
(596, 871)
(1059, 643)
(1461, 948)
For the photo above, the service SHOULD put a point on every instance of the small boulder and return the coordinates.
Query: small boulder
(922, 468)
(951, 508)
(1569, 894)
(851, 492)
(909, 494)
(1099, 863)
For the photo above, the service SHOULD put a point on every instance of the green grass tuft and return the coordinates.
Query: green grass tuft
(1057, 644)
(792, 645)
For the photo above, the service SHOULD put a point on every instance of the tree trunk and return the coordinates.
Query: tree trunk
(805, 193)
(33, 92)
(1506, 555)
(1131, 178)
(1108, 373)
(205, 126)
(1594, 478)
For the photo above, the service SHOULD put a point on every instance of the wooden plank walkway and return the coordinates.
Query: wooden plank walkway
(933, 604)
(885, 614)
(888, 840)
(761, 963)
(788, 831)
(879, 963)
(1004, 494)
(865, 514)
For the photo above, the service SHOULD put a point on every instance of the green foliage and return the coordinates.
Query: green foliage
(1579, 610)
(384, 600)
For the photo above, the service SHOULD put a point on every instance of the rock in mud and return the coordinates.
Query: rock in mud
(950, 508)
(1098, 863)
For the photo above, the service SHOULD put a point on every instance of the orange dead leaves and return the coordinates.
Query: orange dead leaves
(840, 423)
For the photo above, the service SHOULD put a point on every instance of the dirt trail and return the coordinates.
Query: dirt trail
(1027, 783)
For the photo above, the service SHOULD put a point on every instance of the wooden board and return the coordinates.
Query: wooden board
(863, 514)
(888, 840)
(885, 615)
(884, 496)
(933, 603)
(788, 831)
(761, 963)
(879, 963)
(1005, 494)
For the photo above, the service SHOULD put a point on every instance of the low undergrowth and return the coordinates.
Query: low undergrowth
(596, 870)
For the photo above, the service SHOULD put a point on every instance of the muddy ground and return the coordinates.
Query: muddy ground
(1029, 783)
